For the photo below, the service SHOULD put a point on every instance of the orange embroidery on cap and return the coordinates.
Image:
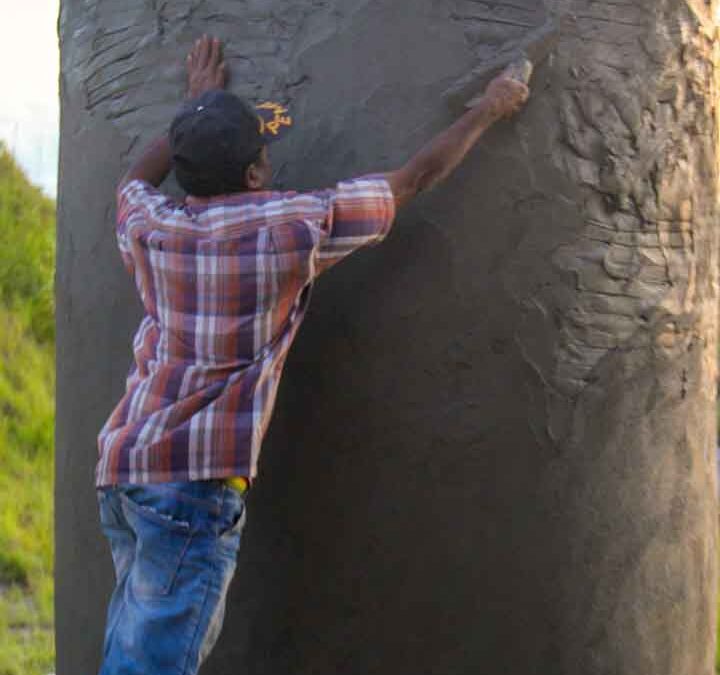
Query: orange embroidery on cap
(280, 117)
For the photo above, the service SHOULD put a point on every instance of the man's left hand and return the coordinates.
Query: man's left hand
(205, 67)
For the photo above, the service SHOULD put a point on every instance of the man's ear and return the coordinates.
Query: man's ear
(253, 177)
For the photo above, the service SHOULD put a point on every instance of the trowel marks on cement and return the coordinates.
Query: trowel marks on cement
(129, 55)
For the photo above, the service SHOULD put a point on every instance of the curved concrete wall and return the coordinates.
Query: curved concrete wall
(493, 448)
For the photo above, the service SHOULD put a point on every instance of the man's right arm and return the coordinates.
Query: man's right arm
(205, 72)
(438, 159)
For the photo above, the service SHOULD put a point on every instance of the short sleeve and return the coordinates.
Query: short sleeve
(359, 212)
(138, 203)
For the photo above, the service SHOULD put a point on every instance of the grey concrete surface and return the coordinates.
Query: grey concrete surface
(493, 450)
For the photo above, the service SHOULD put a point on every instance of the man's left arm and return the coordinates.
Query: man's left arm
(152, 166)
(206, 71)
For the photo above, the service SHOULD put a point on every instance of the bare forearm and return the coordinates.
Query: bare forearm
(504, 96)
(153, 165)
(436, 160)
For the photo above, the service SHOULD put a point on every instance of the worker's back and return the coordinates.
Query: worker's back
(225, 283)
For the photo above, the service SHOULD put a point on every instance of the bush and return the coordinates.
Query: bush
(27, 249)
(27, 370)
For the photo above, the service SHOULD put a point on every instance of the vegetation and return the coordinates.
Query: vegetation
(27, 253)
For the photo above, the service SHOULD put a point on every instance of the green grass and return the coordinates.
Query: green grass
(27, 237)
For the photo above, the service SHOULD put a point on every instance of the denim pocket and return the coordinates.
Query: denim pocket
(162, 540)
(232, 527)
(122, 544)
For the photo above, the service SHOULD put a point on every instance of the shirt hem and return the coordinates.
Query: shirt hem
(158, 479)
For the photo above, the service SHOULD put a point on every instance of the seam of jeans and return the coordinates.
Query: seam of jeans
(220, 545)
(201, 614)
(120, 588)
(218, 573)
(220, 548)
(178, 564)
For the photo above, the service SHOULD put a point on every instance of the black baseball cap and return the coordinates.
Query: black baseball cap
(216, 135)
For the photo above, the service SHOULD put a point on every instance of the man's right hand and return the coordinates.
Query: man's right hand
(205, 67)
(503, 97)
(506, 95)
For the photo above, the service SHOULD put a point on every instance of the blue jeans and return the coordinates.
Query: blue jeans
(174, 548)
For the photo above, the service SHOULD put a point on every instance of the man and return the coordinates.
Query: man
(225, 279)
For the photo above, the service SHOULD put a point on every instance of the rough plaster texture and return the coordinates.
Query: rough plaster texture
(493, 448)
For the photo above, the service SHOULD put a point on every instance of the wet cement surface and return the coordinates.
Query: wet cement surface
(493, 450)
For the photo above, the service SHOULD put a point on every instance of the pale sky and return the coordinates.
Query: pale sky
(29, 86)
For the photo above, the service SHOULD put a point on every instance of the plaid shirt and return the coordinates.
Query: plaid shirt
(225, 283)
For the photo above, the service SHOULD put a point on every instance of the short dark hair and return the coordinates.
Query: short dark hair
(208, 185)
